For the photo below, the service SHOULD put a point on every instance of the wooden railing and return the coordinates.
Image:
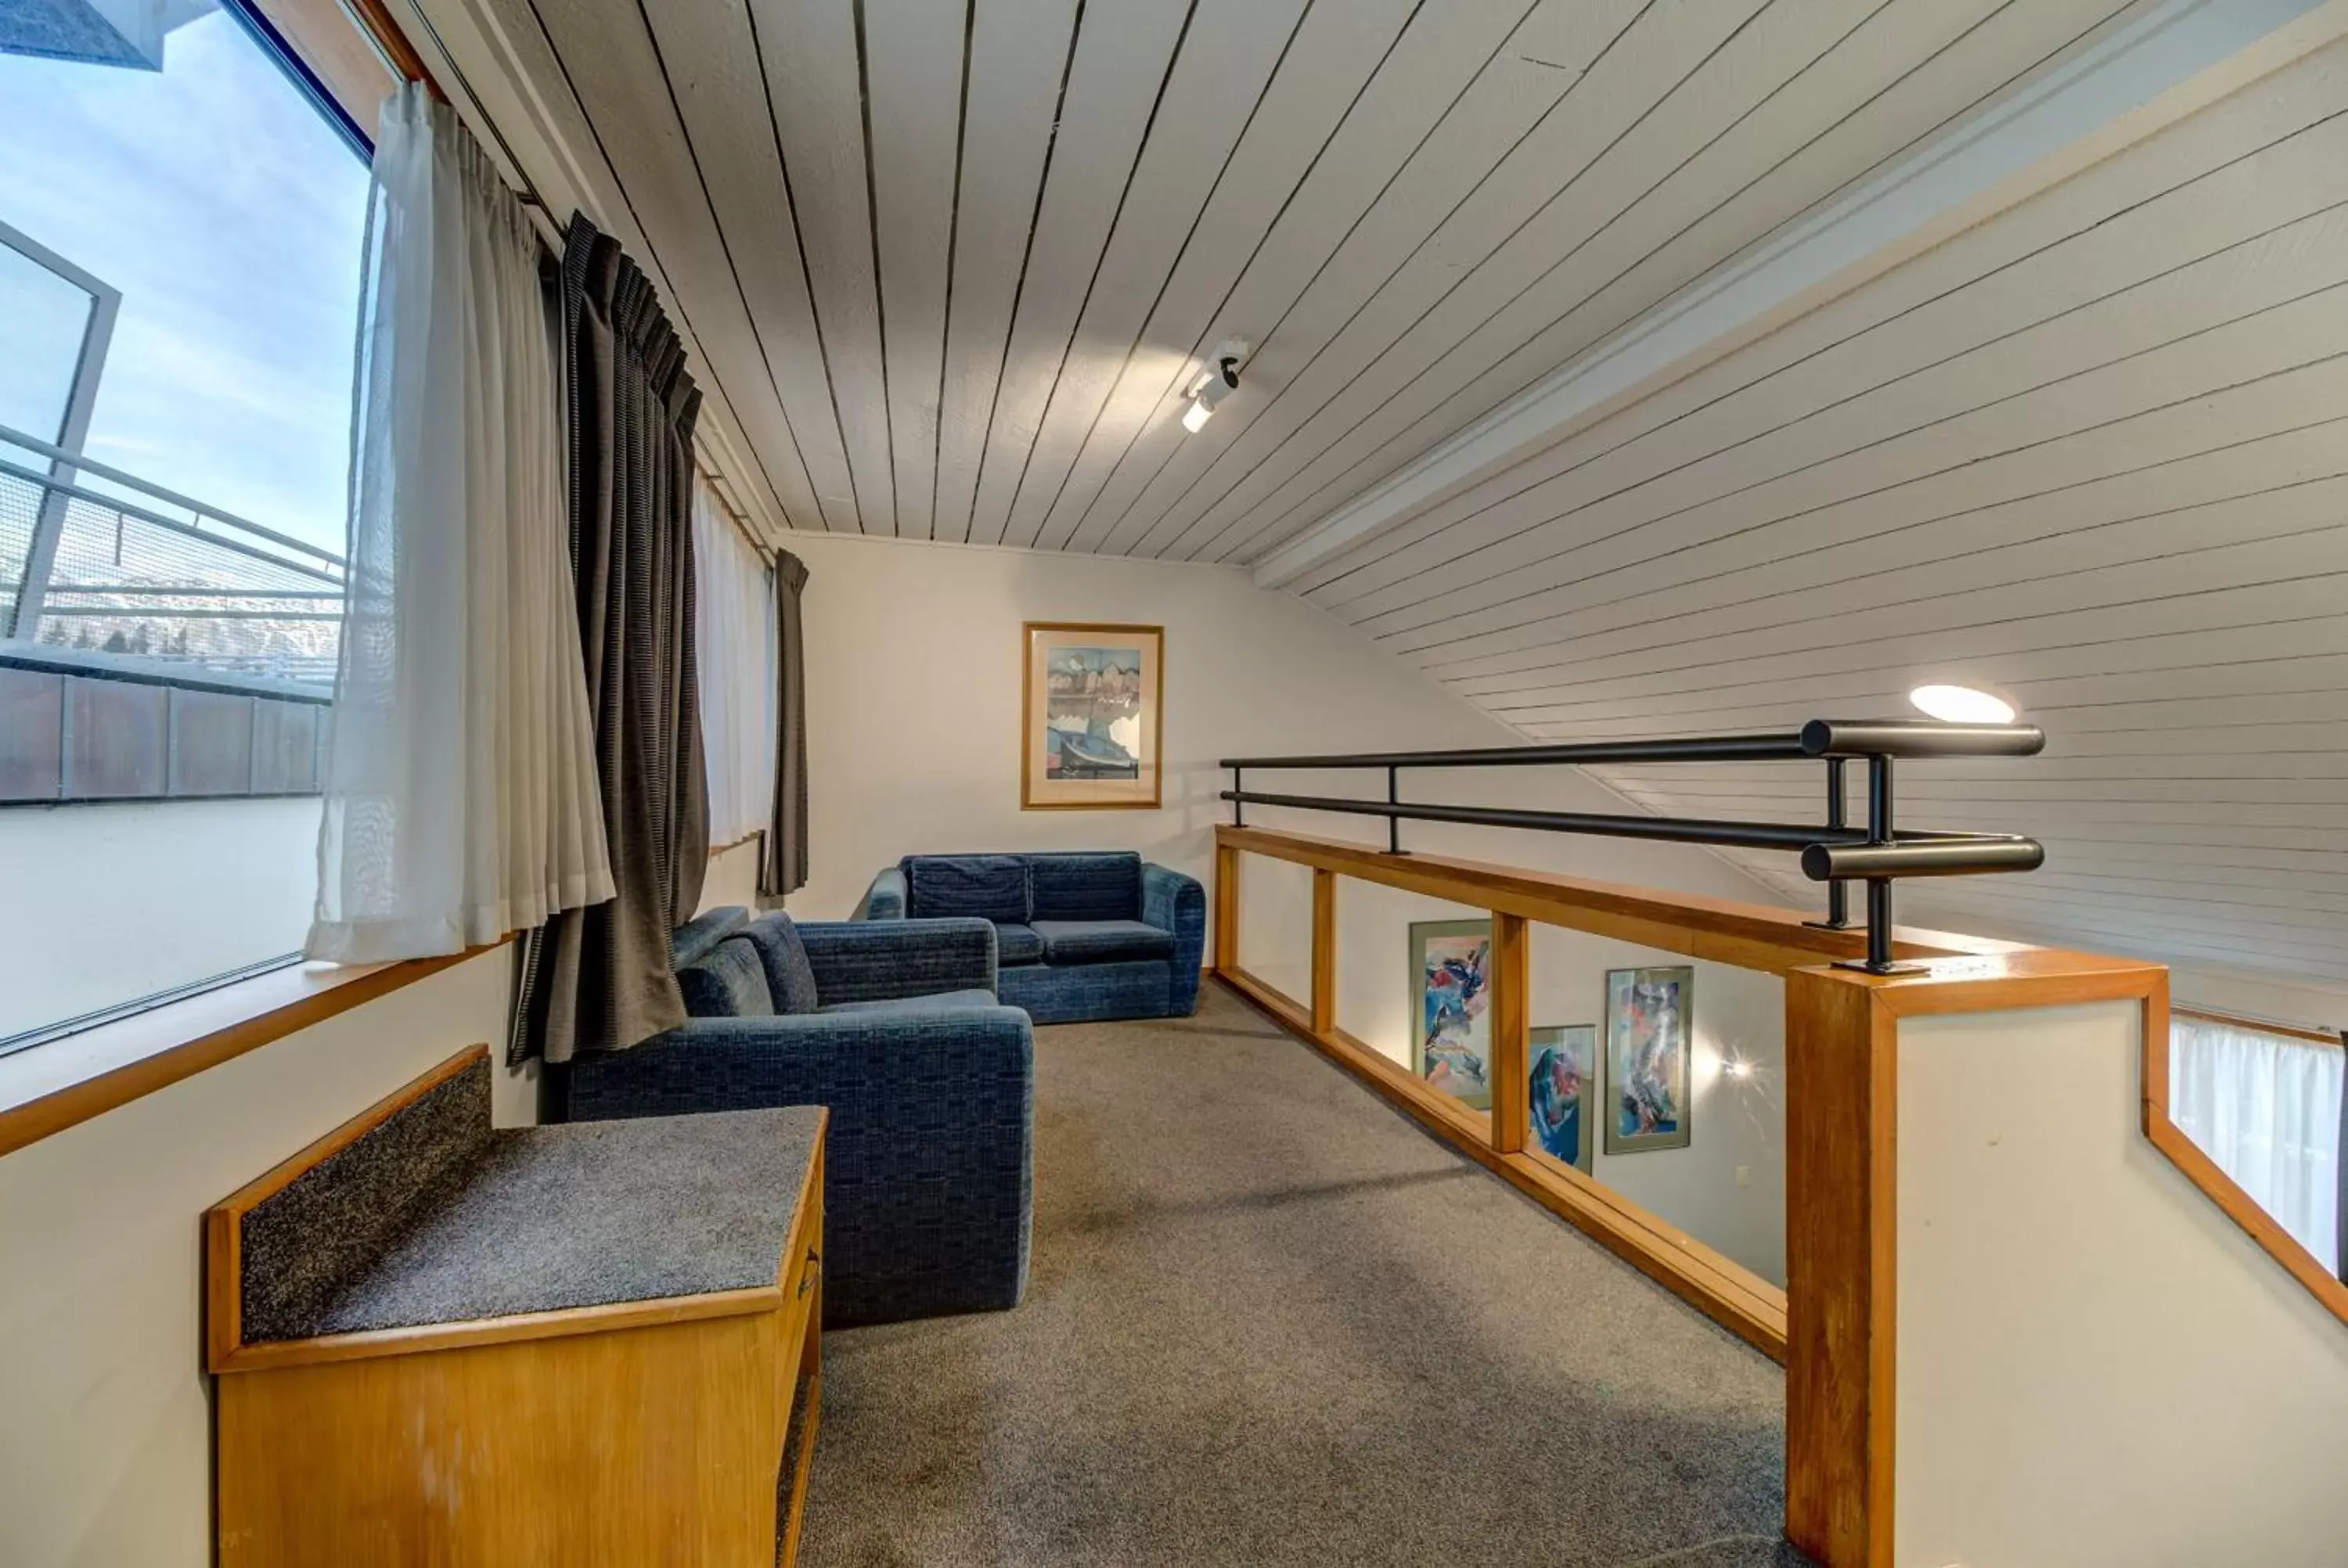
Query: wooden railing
(1775, 941)
(1833, 1325)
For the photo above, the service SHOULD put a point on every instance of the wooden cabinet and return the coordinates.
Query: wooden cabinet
(583, 1423)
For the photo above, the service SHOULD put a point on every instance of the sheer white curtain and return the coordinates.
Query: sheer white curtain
(734, 649)
(461, 800)
(2266, 1108)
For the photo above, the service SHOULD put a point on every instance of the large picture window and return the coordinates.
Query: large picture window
(180, 238)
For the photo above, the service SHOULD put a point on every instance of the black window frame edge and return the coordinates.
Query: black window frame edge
(306, 81)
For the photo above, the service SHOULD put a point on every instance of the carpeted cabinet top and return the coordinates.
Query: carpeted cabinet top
(434, 1216)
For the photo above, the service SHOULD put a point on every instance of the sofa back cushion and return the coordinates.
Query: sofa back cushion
(790, 977)
(730, 981)
(990, 886)
(1102, 886)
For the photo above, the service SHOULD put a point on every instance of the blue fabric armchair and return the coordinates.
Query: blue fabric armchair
(929, 1079)
(1079, 936)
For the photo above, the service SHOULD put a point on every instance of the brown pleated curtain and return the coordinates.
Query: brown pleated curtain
(784, 867)
(599, 978)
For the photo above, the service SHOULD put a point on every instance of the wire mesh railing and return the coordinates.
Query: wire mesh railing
(97, 559)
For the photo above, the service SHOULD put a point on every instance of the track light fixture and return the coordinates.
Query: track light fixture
(1212, 384)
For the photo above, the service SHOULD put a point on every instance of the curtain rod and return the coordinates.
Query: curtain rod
(758, 546)
(391, 41)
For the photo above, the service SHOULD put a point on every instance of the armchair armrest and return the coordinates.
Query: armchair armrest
(1174, 902)
(885, 900)
(858, 961)
(928, 1171)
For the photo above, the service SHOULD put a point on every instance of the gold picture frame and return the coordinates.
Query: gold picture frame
(1091, 716)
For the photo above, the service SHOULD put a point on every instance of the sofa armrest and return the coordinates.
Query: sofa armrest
(928, 1163)
(1174, 902)
(885, 900)
(858, 961)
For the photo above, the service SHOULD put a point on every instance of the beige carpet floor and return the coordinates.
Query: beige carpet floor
(1271, 1322)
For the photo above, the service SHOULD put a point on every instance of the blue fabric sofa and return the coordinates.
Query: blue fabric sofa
(1079, 936)
(929, 1079)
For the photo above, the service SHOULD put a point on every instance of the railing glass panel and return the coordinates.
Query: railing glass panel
(1415, 983)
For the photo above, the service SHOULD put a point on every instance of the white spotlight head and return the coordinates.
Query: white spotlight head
(1962, 705)
(1216, 382)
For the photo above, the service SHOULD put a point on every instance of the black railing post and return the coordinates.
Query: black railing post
(1838, 817)
(1239, 807)
(1879, 926)
(1880, 831)
(1393, 823)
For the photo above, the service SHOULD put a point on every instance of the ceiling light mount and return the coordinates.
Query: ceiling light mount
(1218, 381)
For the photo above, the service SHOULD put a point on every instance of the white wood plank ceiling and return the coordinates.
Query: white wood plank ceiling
(951, 260)
(2093, 453)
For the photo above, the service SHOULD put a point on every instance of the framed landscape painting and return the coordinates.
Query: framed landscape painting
(1451, 997)
(1647, 1046)
(1089, 723)
(1565, 1081)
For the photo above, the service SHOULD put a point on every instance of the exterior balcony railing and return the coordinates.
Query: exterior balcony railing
(140, 570)
(153, 647)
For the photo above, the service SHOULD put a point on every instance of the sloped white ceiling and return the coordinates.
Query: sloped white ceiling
(950, 260)
(953, 260)
(2093, 453)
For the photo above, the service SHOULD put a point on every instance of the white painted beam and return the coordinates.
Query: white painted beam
(2169, 59)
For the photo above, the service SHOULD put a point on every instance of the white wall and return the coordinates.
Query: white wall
(184, 889)
(914, 667)
(2095, 1365)
(104, 1414)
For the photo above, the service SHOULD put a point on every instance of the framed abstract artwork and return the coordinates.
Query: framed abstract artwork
(1565, 1081)
(1451, 1001)
(1089, 725)
(1647, 1019)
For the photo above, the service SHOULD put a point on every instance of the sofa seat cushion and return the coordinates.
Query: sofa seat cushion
(920, 1004)
(730, 981)
(991, 886)
(1016, 944)
(1102, 941)
(790, 977)
(1106, 887)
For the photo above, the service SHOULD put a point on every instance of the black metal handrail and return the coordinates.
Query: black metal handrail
(1834, 852)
